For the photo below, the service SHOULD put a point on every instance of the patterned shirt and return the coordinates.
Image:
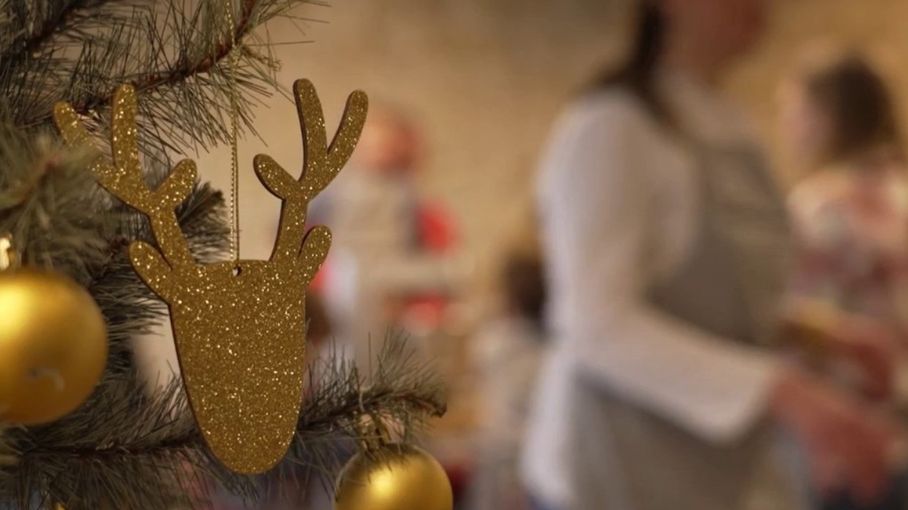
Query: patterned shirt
(851, 231)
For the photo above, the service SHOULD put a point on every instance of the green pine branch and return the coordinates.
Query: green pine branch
(175, 52)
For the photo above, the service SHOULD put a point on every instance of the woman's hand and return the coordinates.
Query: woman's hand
(873, 349)
(865, 347)
(849, 447)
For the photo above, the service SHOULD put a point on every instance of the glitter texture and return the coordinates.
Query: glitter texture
(239, 326)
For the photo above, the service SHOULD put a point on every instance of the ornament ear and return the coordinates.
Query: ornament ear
(152, 269)
(314, 251)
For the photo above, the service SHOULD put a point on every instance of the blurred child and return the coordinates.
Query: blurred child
(506, 355)
(850, 213)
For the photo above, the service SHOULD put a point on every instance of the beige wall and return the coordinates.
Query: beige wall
(486, 77)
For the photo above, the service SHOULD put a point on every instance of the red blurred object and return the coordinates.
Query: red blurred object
(459, 474)
(319, 283)
(427, 310)
(437, 233)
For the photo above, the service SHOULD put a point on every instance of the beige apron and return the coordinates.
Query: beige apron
(729, 285)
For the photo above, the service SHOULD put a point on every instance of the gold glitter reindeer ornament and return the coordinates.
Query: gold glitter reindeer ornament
(239, 325)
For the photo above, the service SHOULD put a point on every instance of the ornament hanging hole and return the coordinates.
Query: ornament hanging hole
(236, 271)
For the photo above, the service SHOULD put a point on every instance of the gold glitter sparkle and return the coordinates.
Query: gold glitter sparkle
(239, 326)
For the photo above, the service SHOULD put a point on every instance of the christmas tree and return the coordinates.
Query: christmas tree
(196, 69)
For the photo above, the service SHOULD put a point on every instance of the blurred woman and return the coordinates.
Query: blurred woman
(851, 211)
(665, 243)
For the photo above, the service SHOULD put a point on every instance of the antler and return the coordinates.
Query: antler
(321, 165)
(123, 177)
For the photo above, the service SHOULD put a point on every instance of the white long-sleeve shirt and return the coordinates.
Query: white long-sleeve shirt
(620, 210)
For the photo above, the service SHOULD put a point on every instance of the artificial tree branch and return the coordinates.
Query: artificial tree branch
(33, 42)
(174, 52)
(180, 73)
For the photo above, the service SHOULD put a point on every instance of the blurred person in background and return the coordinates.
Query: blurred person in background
(505, 355)
(393, 260)
(666, 242)
(850, 212)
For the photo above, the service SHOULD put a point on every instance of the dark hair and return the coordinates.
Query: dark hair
(523, 283)
(858, 103)
(636, 73)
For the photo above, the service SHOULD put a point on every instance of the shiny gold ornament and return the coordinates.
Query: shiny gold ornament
(239, 326)
(53, 346)
(407, 479)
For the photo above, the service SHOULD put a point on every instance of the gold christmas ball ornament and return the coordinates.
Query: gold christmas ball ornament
(407, 478)
(53, 346)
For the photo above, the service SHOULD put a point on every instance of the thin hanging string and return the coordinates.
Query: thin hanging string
(233, 57)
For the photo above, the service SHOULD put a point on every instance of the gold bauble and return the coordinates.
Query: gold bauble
(407, 478)
(53, 346)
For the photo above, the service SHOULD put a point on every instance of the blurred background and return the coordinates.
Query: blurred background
(484, 79)
(466, 92)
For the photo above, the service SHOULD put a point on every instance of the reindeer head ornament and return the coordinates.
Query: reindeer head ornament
(239, 326)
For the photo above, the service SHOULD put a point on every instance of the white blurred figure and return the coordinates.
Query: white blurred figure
(389, 248)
